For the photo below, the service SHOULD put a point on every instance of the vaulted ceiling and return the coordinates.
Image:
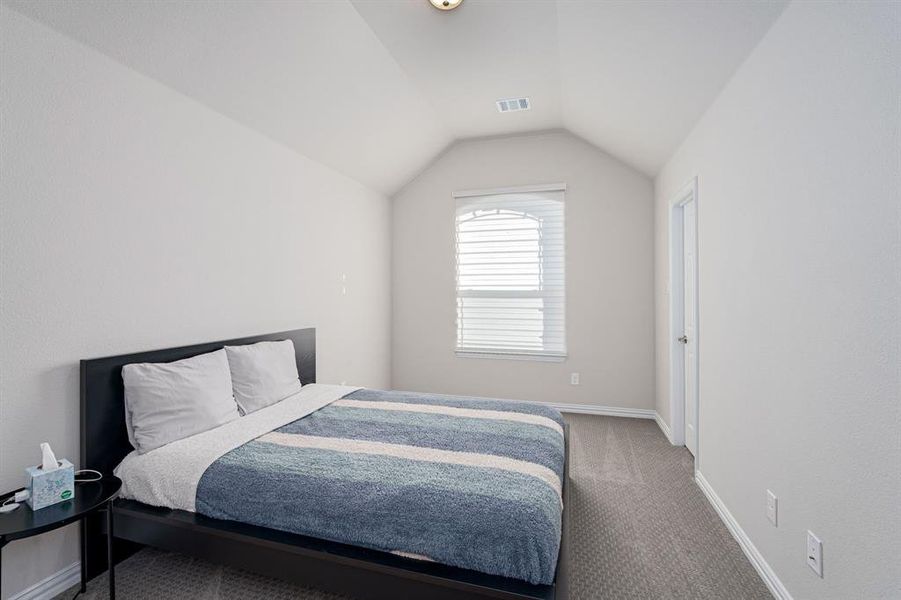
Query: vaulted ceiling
(377, 88)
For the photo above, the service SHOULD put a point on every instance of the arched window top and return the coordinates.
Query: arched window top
(495, 213)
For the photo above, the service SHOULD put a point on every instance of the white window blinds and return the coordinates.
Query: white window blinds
(510, 272)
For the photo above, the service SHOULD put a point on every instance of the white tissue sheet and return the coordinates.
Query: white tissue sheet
(48, 458)
(168, 476)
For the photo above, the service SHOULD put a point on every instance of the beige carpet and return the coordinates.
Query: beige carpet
(641, 529)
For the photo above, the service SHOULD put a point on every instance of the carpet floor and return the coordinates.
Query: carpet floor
(641, 529)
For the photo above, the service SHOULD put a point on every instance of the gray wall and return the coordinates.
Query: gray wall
(609, 242)
(134, 218)
(800, 294)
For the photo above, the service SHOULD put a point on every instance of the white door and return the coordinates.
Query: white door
(689, 335)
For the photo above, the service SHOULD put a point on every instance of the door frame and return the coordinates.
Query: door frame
(686, 194)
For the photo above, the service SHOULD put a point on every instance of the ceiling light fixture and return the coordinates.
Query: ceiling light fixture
(446, 4)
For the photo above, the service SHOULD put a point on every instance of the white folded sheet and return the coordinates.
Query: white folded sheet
(168, 476)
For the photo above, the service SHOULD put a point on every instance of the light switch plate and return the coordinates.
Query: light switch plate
(574, 379)
(814, 553)
(772, 508)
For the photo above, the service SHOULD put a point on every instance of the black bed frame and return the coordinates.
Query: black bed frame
(341, 568)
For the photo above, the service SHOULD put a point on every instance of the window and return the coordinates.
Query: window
(510, 273)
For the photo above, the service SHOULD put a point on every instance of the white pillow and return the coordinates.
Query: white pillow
(165, 402)
(262, 373)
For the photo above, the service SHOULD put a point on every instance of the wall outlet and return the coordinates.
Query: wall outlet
(574, 379)
(772, 507)
(814, 553)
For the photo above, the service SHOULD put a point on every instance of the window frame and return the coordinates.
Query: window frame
(541, 356)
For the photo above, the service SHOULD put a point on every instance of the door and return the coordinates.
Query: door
(690, 321)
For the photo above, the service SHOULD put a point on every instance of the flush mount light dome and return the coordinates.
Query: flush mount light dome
(446, 4)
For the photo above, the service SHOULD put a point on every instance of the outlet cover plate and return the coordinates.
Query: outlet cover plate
(772, 508)
(814, 553)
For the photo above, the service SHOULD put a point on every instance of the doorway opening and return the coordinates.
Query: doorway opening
(684, 318)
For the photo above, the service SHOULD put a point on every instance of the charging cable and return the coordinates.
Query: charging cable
(97, 475)
(13, 502)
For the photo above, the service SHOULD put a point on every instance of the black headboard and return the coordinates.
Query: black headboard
(104, 439)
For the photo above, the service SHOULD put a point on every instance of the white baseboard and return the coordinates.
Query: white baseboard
(763, 568)
(664, 427)
(608, 411)
(52, 586)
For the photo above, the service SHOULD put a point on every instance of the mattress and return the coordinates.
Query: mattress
(468, 482)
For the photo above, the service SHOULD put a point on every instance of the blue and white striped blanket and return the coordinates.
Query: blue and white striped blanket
(462, 481)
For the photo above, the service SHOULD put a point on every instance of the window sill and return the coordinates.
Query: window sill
(511, 356)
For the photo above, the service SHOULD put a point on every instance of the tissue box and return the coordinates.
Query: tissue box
(48, 488)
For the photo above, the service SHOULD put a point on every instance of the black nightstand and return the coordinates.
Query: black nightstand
(90, 497)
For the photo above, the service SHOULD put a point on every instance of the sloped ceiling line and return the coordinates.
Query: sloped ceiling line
(376, 89)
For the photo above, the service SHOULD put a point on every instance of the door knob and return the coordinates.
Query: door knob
(683, 339)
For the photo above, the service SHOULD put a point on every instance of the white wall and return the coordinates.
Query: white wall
(800, 294)
(609, 263)
(134, 218)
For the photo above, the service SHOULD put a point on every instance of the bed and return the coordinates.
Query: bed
(321, 489)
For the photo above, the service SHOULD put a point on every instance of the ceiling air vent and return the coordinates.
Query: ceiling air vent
(513, 104)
